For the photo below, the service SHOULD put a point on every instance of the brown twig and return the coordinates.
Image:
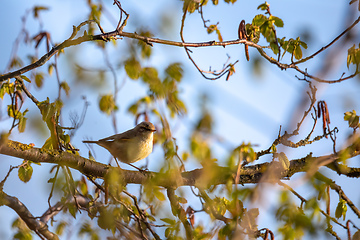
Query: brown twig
(340, 192)
(33, 223)
(303, 200)
(331, 43)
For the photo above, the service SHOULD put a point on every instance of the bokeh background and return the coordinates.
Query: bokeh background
(249, 108)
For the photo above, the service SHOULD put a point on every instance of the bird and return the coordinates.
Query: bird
(130, 146)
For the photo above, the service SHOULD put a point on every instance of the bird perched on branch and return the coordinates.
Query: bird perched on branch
(130, 146)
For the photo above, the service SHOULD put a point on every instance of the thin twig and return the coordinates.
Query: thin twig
(331, 43)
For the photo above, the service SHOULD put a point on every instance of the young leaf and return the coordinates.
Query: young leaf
(263, 6)
(341, 209)
(22, 124)
(352, 118)
(66, 87)
(175, 71)
(25, 78)
(25, 172)
(39, 79)
(107, 104)
(211, 28)
(132, 68)
(298, 52)
(258, 20)
(168, 221)
(277, 21)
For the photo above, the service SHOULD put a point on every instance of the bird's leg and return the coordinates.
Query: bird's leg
(117, 163)
(141, 170)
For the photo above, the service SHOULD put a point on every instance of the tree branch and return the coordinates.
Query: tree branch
(24, 213)
(249, 174)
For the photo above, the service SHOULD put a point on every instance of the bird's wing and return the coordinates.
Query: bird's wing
(120, 136)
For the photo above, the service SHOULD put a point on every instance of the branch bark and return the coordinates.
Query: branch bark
(196, 177)
(33, 223)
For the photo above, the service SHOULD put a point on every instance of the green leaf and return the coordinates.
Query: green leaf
(259, 20)
(298, 52)
(16, 62)
(167, 232)
(72, 210)
(175, 71)
(25, 78)
(133, 108)
(168, 221)
(182, 200)
(132, 68)
(159, 195)
(25, 172)
(2, 91)
(22, 124)
(106, 220)
(353, 56)
(277, 21)
(274, 48)
(352, 119)
(211, 28)
(230, 1)
(303, 44)
(50, 69)
(341, 209)
(107, 104)
(190, 6)
(220, 38)
(39, 79)
(66, 87)
(61, 227)
(263, 6)
(150, 76)
(13, 113)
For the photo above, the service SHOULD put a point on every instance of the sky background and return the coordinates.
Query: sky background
(247, 108)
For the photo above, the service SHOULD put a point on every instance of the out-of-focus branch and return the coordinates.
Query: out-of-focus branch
(33, 223)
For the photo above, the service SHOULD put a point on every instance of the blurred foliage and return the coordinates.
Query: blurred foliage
(107, 104)
(352, 119)
(353, 57)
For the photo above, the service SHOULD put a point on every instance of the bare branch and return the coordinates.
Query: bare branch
(34, 224)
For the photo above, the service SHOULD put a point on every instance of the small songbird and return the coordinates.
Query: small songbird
(132, 145)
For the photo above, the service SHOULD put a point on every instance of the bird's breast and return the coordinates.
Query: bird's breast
(139, 149)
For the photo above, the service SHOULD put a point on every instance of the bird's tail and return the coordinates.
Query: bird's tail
(89, 141)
